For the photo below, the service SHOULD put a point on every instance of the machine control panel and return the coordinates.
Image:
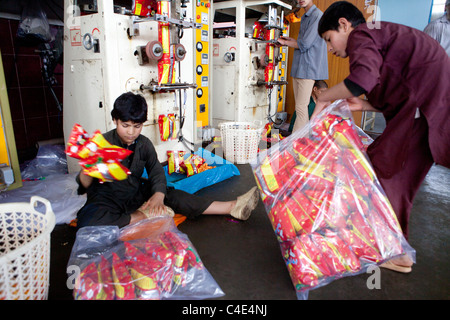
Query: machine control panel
(202, 15)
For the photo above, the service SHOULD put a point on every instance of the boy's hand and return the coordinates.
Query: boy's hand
(85, 180)
(155, 203)
(358, 104)
(355, 104)
(287, 41)
(320, 105)
(284, 40)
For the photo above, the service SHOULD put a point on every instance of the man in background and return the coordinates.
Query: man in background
(310, 61)
(439, 29)
(319, 87)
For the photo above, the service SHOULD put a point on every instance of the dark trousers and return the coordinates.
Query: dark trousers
(402, 187)
(106, 212)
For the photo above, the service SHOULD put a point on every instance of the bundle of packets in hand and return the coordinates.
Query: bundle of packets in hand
(98, 158)
(326, 205)
(189, 164)
(139, 264)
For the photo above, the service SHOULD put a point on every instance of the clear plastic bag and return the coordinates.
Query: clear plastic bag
(326, 205)
(149, 260)
(50, 160)
(59, 189)
(34, 26)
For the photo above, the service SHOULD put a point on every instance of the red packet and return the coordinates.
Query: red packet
(192, 163)
(180, 244)
(302, 209)
(343, 132)
(167, 126)
(104, 268)
(269, 177)
(301, 267)
(123, 282)
(98, 158)
(355, 161)
(174, 161)
(266, 196)
(88, 285)
(108, 171)
(161, 252)
(144, 271)
(318, 259)
(144, 8)
(387, 235)
(77, 141)
(340, 259)
(281, 222)
(361, 238)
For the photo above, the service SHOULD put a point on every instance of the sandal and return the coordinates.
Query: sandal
(245, 204)
(395, 267)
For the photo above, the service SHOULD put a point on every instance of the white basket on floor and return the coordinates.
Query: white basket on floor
(25, 250)
(240, 141)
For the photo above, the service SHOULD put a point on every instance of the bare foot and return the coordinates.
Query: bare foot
(404, 261)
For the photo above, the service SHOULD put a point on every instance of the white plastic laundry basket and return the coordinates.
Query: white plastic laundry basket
(240, 141)
(25, 249)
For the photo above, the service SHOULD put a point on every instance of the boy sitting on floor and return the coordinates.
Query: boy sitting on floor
(128, 201)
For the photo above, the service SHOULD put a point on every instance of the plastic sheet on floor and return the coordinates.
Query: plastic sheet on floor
(59, 189)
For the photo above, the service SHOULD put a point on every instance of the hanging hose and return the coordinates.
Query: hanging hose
(182, 116)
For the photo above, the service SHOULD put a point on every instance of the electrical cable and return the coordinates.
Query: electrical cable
(182, 114)
(276, 124)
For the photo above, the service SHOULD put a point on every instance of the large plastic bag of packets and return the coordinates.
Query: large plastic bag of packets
(326, 205)
(149, 260)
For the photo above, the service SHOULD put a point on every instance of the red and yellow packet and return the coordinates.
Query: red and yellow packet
(97, 157)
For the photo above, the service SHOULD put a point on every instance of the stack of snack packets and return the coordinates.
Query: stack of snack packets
(185, 163)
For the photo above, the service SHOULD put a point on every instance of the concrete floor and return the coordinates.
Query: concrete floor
(245, 259)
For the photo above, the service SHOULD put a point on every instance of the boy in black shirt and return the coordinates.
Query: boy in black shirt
(133, 199)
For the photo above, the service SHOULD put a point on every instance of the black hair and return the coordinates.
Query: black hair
(337, 10)
(320, 84)
(130, 107)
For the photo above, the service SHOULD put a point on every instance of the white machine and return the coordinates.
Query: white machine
(249, 69)
(157, 48)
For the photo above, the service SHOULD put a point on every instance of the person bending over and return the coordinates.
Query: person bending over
(392, 66)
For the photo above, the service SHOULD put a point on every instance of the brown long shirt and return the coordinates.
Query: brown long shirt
(402, 69)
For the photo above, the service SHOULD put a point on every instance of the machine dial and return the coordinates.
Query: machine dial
(88, 41)
(228, 57)
(180, 52)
